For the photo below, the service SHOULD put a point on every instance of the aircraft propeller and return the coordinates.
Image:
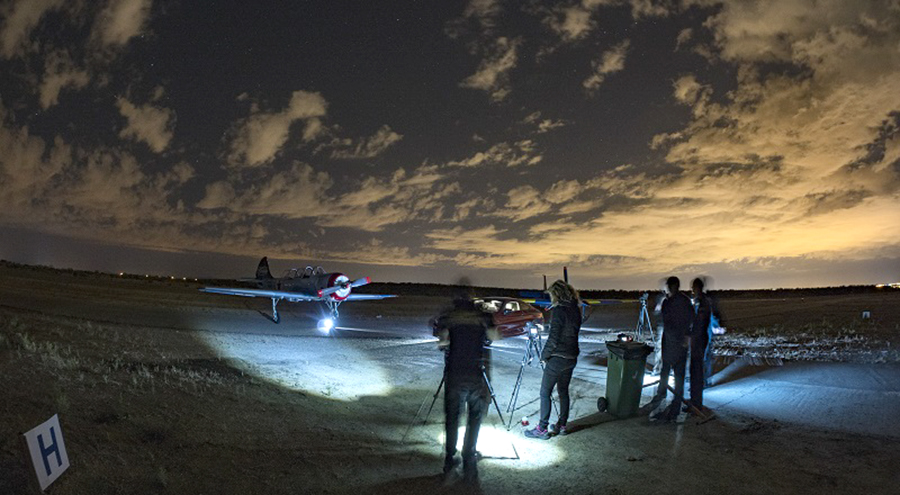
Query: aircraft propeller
(344, 286)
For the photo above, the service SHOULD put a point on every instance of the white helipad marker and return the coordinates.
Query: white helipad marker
(48, 451)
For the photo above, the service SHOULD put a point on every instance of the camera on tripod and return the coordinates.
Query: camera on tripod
(533, 330)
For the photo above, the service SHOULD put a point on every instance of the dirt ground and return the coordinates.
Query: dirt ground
(162, 389)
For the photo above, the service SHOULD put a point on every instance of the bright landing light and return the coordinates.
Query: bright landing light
(325, 325)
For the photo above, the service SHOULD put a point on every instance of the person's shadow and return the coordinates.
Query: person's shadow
(434, 485)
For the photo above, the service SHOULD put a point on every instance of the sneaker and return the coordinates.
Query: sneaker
(558, 429)
(538, 432)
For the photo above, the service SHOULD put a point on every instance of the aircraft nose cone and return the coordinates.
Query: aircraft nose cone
(343, 282)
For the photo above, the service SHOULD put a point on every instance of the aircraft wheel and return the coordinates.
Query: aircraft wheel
(602, 404)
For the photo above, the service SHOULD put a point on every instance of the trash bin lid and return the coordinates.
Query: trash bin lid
(629, 350)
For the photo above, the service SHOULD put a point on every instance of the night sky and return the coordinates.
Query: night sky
(757, 142)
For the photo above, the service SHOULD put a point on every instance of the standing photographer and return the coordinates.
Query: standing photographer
(677, 314)
(464, 331)
(699, 341)
(559, 356)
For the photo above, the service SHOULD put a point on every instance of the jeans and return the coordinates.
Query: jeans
(558, 373)
(674, 359)
(474, 395)
(698, 376)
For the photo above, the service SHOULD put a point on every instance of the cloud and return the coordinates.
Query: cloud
(493, 72)
(511, 155)
(542, 125)
(563, 191)
(403, 197)
(790, 150)
(571, 23)
(378, 252)
(524, 202)
(219, 194)
(482, 10)
(28, 164)
(297, 192)
(262, 135)
(60, 73)
(612, 61)
(302, 193)
(821, 203)
(694, 216)
(479, 15)
(367, 147)
(684, 37)
(57, 187)
(576, 22)
(653, 8)
(817, 118)
(20, 19)
(147, 123)
(548, 125)
(122, 20)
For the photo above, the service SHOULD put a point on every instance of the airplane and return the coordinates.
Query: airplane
(542, 299)
(307, 285)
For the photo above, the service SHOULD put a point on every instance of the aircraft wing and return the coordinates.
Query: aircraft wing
(367, 297)
(541, 303)
(595, 302)
(291, 296)
(545, 303)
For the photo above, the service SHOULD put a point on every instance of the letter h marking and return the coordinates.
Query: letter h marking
(47, 451)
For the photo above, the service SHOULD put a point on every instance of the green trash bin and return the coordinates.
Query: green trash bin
(624, 378)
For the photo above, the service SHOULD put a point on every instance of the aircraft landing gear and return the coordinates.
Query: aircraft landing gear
(333, 307)
(275, 301)
(326, 325)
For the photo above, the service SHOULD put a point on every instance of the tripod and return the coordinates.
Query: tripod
(533, 349)
(437, 392)
(643, 325)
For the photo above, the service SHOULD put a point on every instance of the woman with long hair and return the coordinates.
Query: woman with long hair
(559, 357)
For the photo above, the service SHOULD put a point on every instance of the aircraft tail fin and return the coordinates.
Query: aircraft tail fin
(262, 271)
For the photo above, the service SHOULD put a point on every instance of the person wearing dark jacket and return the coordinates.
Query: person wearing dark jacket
(559, 356)
(464, 331)
(699, 341)
(677, 314)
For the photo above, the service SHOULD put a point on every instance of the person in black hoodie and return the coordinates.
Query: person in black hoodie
(464, 332)
(677, 315)
(559, 357)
